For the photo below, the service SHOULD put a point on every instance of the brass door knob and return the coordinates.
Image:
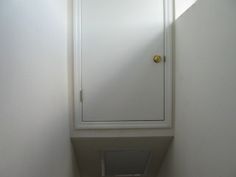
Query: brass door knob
(157, 58)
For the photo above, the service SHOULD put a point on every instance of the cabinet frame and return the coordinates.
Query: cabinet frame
(77, 77)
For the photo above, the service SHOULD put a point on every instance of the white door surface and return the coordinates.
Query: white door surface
(120, 80)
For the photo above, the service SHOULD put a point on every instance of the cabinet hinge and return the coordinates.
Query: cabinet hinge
(81, 96)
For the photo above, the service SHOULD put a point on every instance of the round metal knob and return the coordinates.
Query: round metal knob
(157, 58)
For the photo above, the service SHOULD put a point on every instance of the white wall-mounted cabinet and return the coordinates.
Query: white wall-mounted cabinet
(117, 83)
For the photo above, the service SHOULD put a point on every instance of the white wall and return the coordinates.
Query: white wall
(34, 130)
(205, 135)
(182, 6)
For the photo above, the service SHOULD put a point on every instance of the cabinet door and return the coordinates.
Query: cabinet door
(119, 79)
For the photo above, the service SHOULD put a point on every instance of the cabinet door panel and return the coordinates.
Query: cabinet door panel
(120, 81)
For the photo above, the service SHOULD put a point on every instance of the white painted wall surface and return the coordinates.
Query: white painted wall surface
(205, 127)
(34, 130)
(181, 6)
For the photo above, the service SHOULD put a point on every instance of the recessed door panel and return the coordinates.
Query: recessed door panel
(120, 80)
